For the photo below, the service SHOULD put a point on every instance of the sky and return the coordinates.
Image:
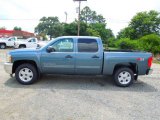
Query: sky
(26, 13)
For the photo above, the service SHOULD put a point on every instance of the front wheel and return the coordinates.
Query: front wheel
(26, 74)
(124, 77)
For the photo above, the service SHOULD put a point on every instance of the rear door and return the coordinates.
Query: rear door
(89, 57)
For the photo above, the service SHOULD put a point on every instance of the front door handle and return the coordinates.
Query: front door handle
(68, 56)
(95, 56)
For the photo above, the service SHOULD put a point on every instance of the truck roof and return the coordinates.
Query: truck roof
(79, 37)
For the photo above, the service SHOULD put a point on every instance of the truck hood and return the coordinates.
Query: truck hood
(1, 40)
(21, 51)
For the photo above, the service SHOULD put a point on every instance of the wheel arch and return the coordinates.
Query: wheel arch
(132, 66)
(20, 62)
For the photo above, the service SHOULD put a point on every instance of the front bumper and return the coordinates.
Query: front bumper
(8, 67)
(149, 71)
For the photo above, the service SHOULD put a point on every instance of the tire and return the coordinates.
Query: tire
(22, 46)
(26, 74)
(123, 77)
(2, 46)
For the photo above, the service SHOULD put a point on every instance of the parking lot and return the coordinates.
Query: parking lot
(60, 97)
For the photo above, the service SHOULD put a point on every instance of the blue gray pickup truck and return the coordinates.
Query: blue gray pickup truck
(77, 55)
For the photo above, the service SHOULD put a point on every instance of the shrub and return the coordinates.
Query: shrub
(150, 43)
(126, 43)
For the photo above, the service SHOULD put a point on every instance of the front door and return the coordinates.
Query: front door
(61, 60)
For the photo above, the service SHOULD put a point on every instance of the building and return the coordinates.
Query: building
(17, 33)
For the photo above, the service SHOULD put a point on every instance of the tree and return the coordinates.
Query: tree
(99, 29)
(143, 23)
(50, 26)
(89, 16)
(71, 28)
(17, 28)
(3, 28)
(150, 43)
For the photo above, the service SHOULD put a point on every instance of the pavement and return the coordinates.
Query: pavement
(61, 97)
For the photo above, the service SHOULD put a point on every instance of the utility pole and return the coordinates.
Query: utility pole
(79, 15)
(66, 16)
(79, 10)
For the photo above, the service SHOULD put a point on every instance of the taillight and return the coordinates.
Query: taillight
(150, 61)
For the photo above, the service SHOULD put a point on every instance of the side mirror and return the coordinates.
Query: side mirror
(50, 49)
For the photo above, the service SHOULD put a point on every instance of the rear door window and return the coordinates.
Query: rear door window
(87, 45)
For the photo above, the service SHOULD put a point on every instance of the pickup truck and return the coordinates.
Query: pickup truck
(28, 43)
(77, 55)
(7, 42)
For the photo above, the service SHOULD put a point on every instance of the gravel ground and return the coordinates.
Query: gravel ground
(79, 98)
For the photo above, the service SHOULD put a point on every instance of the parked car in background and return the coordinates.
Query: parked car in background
(28, 43)
(7, 42)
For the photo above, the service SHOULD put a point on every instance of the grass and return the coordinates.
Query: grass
(156, 61)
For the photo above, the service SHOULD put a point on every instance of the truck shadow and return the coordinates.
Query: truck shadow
(77, 82)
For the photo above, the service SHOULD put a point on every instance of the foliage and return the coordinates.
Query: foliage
(89, 16)
(111, 42)
(99, 29)
(50, 26)
(126, 43)
(143, 23)
(3, 28)
(17, 28)
(150, 43)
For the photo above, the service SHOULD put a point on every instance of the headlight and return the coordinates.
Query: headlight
(8, 58)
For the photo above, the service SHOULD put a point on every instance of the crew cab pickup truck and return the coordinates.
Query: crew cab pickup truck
(7, 42)
(28, 43)
(78, 55)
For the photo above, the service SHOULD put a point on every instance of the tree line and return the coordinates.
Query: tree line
(142, 32)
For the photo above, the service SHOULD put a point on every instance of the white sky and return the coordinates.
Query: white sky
(117, 12)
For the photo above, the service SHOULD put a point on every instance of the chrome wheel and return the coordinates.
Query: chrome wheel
(124, 77)
(25, 74)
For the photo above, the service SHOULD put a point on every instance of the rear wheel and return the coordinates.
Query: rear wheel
(26, 74)
(124, 77)
(2, 46)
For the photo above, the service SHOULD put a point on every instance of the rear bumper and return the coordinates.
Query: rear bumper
(8, 67)
(149, 71)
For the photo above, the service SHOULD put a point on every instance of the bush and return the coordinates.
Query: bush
(126, 43)
(150, 43)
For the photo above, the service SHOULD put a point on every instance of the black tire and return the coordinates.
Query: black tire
(2, 46)
(29, 76)
(22, 46)
(123, 77)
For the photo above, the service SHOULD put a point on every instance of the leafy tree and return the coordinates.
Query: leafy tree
(150, 43)
(143, 23)
(17, 28)
(71, 28)
(50, 26)
(100, 30)
(89, 16)
(3, 28)
(126, 43)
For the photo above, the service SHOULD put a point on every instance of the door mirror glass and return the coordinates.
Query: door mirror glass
(50, 49)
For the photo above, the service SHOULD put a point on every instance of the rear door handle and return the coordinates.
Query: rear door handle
(68, 56)
(95, 56)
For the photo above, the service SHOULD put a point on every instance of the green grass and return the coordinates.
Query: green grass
(156, 61)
